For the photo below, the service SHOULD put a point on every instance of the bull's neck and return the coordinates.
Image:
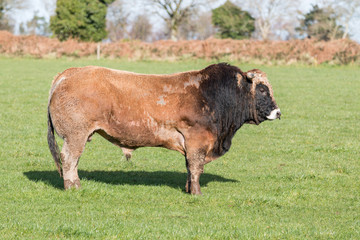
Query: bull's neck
(245, 111)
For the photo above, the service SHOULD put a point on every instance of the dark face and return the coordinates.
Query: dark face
(266, 108)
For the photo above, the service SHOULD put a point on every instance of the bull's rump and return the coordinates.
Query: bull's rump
(134, 110)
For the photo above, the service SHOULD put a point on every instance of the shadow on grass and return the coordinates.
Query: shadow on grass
(172, 179)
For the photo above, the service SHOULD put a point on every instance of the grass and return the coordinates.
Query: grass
(298, 178)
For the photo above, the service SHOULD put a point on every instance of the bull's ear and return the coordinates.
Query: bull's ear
(239, 78)
(250, 76)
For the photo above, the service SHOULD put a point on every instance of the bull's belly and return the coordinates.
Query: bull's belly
(134, 137)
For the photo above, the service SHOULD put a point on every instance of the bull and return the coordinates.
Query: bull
(196, 113)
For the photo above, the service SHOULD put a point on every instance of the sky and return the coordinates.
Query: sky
(135, 6)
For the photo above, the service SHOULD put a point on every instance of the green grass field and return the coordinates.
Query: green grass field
(298, 178)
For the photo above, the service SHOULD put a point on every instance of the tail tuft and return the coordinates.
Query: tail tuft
(54, 148)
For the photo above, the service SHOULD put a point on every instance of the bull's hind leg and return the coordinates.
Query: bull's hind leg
(70, 154)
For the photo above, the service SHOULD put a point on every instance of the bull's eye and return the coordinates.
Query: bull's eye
(262, 90)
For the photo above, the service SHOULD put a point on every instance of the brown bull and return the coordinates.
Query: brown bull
(195, 113)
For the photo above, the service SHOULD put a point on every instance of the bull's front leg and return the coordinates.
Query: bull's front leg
(195, 167)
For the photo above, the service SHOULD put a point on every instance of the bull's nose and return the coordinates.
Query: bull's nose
(278, 115)
(274, 114)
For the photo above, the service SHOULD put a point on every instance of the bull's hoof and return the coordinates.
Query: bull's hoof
(128, 156)
(68, 184)
(192, 189)
(196, 192)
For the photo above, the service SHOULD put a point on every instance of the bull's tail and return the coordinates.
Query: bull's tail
(54, 148)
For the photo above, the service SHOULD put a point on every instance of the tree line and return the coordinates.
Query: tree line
(96, 20)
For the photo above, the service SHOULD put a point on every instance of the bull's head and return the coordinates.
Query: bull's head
(264, 106)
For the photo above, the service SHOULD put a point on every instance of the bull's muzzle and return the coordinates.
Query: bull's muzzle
(274, 114)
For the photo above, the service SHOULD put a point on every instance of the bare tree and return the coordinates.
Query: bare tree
(141, 28)
(117, 21)
(321, 23)
(187, 29)
(4, 22)
(173, 12)
(346, 10)
(6, 14)
(50, 6)
(38, 26)
(204, 28)
(271, 15)
(197, 26)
